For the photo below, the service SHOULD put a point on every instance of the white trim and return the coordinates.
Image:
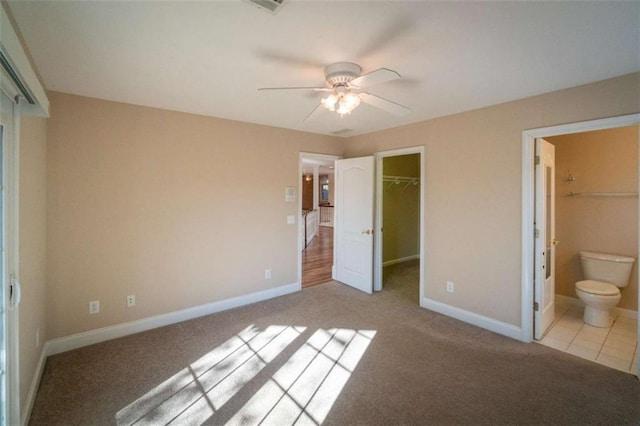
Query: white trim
(75, 341)
(35, 384)
(569, 300)
(11, 173)
(472, 318)
(400, 260)
(11, 46)
(622, 312)
(528, 140)
(626, 313)
(377, 248)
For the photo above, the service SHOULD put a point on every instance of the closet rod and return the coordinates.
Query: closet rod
(400, 178)
(603, 194)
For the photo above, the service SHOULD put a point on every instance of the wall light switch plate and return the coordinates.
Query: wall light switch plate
(291, 220)
(290, 194)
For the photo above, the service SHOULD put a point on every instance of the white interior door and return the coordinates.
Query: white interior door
(545, 242)
(353, 241)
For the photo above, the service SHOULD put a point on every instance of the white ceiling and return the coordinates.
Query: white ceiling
(209, 57)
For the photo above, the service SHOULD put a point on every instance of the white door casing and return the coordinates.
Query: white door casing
(379, 200)
(526, 332)
(353, 240)
(9, 271)
(545, 242)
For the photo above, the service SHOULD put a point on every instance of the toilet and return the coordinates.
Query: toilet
(605, 275)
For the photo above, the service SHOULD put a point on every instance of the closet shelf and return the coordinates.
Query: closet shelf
(603, 194)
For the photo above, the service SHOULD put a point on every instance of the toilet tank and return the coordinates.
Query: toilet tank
(606, 267)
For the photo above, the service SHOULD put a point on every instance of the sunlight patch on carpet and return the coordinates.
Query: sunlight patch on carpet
(195, 393)
(304, 390)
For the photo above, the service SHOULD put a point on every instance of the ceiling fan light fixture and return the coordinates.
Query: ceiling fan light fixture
(330, 102)
(341, 79)
(342, 102)
(352, 100)
(347, 103)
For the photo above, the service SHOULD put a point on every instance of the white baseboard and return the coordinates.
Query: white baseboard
(569, 300)
(627, 313)
(35, 384)
(623, 312)
(400, 260)
(75, 341)
(472, 318)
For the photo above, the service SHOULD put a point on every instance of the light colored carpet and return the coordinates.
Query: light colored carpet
(411, 366)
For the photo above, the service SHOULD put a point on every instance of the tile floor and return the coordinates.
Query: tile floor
(615, 347)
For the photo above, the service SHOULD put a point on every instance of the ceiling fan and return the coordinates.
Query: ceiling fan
(344, 82)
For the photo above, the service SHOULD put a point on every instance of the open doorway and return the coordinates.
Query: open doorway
(317, 205)
(595, 210)
(399, 219)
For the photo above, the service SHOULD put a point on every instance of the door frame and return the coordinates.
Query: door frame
(10, 170)
(378, 236)
(528, 204)
(300, 233)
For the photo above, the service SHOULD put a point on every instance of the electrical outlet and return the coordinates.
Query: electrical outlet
(267, 274)
(94, 307)
(449, 287)
(131, 300)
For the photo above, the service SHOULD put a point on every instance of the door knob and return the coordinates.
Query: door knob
(555, 242)
(367, 231)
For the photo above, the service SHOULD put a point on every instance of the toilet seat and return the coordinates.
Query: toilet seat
(597, 287)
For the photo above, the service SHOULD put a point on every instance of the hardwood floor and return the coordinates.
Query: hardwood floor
(317, 259)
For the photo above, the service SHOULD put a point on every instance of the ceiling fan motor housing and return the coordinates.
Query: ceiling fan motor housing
(340, 73)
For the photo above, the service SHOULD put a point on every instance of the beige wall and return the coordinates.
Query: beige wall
(602, 161)
(171, 207)
(32, 234)
(401, 209)
(473, 188)
(151, 202)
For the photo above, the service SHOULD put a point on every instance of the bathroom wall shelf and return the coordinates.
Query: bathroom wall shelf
(603, 194)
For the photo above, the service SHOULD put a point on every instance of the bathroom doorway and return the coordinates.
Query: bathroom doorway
(399, 223)
(596, 184)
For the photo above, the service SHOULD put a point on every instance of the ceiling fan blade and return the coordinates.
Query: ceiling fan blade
(315, 89)
(383, 104)
(374, 77)
(315, 113)
(389, 37)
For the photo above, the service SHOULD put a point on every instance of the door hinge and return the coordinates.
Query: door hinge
(536, 233)
(536, 307)
(536, 160)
